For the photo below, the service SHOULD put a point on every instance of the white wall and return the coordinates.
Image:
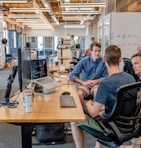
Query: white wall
(61, 32)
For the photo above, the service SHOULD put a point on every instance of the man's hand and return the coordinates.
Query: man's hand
(87, 84)
(90, 103)
(94, 108)
(93, 82)
(90, 83)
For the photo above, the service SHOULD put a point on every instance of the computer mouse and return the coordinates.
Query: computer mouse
(66, 93)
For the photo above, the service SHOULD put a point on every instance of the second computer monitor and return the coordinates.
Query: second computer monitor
(38, 68)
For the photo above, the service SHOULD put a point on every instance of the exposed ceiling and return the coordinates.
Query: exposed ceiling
(47, 14)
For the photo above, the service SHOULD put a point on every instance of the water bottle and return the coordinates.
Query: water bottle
(27, 100)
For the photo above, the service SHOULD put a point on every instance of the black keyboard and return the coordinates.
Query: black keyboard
(67, 101)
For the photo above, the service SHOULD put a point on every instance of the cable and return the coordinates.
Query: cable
(14, 103)
(11, 104)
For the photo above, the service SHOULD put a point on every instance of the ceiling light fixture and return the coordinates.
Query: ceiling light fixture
(40, 28)
(29, 10)
(81, 12)
(37, 25)
(88, 17)
(29, 20)
(13, 1)
(25, 16)
(74, 26)
(83, 5)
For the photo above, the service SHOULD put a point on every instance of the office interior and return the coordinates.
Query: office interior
(40, 24)
(43, 23)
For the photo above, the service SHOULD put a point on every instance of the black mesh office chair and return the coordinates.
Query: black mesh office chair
(123, 122)
(73, 63)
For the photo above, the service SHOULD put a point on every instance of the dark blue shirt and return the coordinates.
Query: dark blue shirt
(90, 70)
(106, 93)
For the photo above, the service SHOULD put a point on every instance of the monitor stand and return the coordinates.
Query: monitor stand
(41, 90)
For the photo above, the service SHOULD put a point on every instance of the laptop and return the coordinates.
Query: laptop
(39, 74)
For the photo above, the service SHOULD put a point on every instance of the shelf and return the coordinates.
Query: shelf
(64, 58)
(64, 47)
(64, 51)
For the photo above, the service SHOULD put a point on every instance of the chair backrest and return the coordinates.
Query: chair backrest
(124, 118)
(123, 122)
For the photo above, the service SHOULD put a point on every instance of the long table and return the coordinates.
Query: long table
(46, 108)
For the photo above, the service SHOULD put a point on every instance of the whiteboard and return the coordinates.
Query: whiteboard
(126, 32)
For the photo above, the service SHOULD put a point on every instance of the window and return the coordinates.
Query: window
(49, 45)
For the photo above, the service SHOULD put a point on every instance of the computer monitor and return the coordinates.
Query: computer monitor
(128, 67)
(38, 68)
(24, 66)
(24, 77)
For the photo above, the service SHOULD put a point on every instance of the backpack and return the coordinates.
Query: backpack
(50, 133)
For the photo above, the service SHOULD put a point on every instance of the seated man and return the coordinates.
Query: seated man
(106, 94)
(93, 69)
(136, 62)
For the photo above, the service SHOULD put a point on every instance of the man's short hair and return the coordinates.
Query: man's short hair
(138, 54)
(112, 55)
(72, 35)
(95, 44)
(92, 38)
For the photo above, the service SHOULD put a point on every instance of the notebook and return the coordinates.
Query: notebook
(39, 74)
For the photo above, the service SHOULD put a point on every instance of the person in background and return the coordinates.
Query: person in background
(78, 49)
(136, 62)
(93, 69)
(73, 46)
(105, 96)
(88, 51)
(92, 41)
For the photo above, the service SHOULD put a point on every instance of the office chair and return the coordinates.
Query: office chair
(123, 122)
(128, 68)
(74, 62)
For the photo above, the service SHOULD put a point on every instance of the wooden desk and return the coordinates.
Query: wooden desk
(46, 108)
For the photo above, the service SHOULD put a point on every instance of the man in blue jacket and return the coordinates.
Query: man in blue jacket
(93, 70)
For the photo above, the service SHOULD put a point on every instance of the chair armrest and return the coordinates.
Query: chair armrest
(73, 63)
(107, 131)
